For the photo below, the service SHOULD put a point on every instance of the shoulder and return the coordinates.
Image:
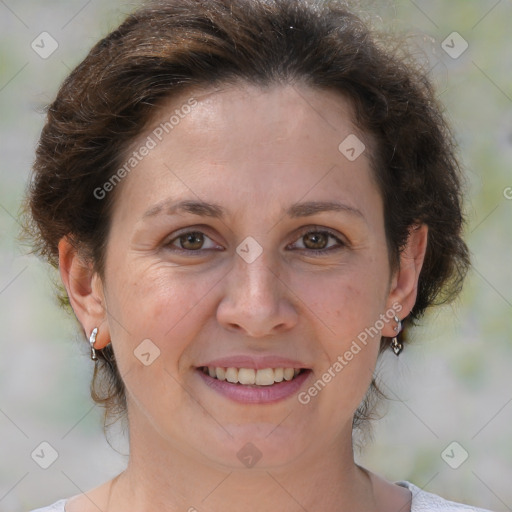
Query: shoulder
(423, 501)
(58, 506)
(93, 500)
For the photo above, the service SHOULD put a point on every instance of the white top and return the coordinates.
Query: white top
(422, 501)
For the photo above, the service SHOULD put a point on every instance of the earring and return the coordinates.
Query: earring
(395, 344)
(92, 341)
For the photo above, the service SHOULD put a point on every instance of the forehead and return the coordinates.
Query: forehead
(277, 142)
(252, 116)
(280, 107)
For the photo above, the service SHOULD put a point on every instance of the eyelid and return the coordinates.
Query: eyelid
(185, 231)
(342, 241)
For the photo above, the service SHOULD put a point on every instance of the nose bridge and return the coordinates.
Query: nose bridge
(255, 298)
(255, 273)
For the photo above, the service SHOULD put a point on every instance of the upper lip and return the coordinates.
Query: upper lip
(256, 362)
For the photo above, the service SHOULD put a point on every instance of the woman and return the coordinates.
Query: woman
(248, 202)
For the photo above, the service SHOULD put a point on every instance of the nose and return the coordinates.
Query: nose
(257, 302)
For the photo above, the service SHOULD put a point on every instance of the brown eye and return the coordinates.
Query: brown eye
(317, 242)
(316, 239)
(191, 241)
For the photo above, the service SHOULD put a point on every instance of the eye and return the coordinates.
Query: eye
(313, 241)
(190, 241)
(317, 241)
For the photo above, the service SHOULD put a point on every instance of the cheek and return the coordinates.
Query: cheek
(347, 311)
(152, 292)
(162, 304)
(346, 308)
(153, 316)
(347, 299)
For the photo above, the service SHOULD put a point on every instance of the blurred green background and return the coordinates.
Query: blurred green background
(453, 384)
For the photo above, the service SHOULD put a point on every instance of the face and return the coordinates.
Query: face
(276, 258)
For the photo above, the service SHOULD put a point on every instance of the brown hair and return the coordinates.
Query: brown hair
(169, 46)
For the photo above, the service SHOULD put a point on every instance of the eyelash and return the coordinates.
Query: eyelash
(319, 252)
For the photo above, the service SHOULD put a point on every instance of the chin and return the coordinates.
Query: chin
(255, 446)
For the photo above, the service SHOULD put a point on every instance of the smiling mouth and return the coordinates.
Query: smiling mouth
(251, 377)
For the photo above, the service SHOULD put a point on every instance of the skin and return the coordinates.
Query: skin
(254, 152)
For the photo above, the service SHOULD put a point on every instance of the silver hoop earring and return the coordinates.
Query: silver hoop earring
(92, 341)
(395, 344)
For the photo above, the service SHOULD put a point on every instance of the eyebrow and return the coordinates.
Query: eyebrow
(205, 209)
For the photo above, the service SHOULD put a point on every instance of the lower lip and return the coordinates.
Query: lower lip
(255, 395)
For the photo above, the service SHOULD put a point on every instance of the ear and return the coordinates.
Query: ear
(404, 284)
(85, 292)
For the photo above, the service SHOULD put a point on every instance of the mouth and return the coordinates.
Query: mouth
(254, 379)
(251, 377)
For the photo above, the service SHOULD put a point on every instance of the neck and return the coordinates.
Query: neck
(162, 477)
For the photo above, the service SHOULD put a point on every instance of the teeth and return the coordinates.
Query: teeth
(265, 377)
(231, 375)
(288, 373)
(250, 376)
